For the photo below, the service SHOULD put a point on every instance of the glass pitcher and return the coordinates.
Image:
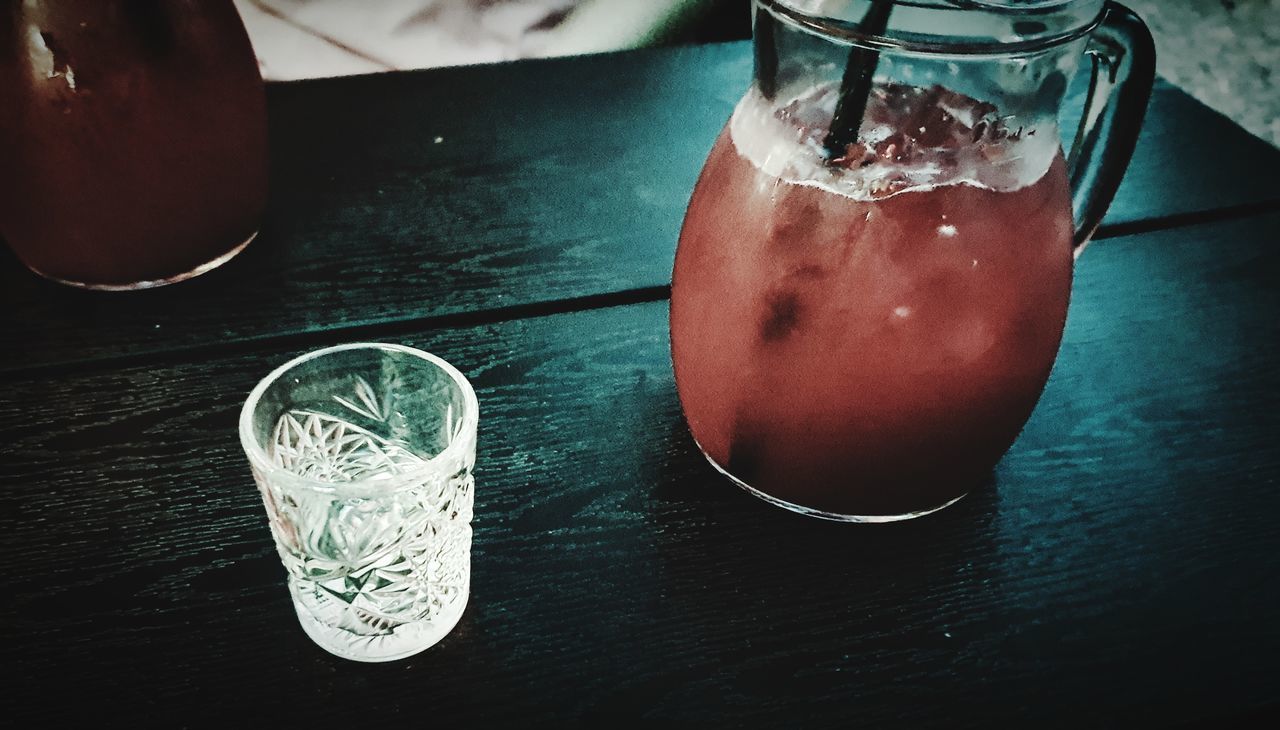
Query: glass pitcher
(872, 279)
(133, 139)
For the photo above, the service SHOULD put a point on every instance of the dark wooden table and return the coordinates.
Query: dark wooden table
(1124, 565)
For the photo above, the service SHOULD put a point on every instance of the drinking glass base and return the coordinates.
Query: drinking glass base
(153, 283)
(405, 641)
(833, 516)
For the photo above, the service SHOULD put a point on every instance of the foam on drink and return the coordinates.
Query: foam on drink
(911, 139)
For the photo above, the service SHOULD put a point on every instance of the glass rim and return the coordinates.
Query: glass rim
(840, 30)
(261, 462)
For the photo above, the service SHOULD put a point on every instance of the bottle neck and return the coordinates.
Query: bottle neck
(1027, 88)
(950, 27)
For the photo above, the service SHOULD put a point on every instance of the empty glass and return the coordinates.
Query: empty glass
(363, 454)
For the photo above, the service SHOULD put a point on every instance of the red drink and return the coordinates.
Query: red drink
(867, 338)
(132, 139)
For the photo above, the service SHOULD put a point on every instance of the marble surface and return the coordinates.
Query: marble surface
(298, 39)
(1226, 53)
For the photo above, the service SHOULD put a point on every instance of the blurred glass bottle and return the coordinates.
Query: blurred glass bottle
(133, 142)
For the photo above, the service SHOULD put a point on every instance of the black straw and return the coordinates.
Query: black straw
(855, 85)
(766, 55)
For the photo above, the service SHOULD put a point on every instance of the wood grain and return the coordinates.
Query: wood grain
(552, 180)
(1122, 567)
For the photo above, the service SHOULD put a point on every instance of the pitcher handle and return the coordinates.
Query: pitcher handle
(1124, 67)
